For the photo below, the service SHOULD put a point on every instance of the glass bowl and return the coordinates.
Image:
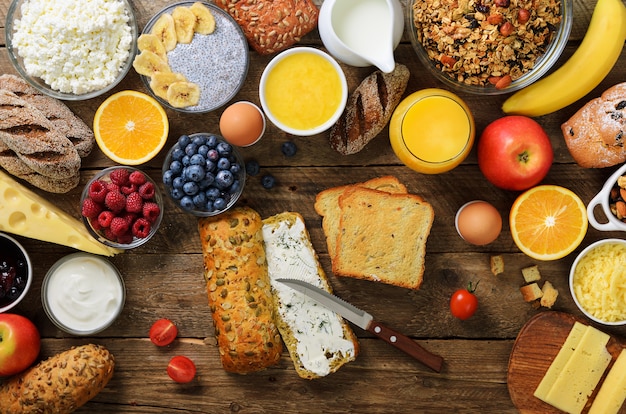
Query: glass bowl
(556, 44)
(14, 260)
(217, 62)
(203, 174)
(102, 227)
(42, 75)
(83, 293)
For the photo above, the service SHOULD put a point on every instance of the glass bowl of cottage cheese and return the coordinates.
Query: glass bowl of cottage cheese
(71, 49)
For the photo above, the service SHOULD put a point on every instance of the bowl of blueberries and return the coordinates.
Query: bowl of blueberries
(16, 272)
(203, 174)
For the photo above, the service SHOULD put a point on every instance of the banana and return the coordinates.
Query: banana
(165, 29)
(150, 42)
(183, 94)
(184, 23)
(148, 63)
(161, 81)
(583, 71)
(205, 22)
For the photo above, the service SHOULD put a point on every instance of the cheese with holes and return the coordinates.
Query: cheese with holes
(580, 376)
(612, 394)
(26, 213)
(566, 351)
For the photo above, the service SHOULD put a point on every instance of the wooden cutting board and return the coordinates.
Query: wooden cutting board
(536, 346)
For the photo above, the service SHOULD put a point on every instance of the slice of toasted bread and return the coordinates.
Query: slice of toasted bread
(382, 237)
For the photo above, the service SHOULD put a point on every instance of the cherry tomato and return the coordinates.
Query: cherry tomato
(181, 369)
(463, 302)
(163, 332)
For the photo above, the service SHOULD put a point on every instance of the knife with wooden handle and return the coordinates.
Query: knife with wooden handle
(365, 321)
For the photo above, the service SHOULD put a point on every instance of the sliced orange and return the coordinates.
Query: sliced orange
(548, 222)
(130, 127)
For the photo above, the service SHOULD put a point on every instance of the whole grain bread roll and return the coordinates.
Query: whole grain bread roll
(238, 287)
(368, 110)
(60, 384)
(595, 135)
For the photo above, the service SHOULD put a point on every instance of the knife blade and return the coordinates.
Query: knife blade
(366, 321)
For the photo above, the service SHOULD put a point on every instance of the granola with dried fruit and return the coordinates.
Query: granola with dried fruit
(486, 42)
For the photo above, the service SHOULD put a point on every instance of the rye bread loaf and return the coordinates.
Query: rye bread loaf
(61, 117)
(382, 237)
(368, 110)
(327, 204)
(272, 25)
(596, 134)
(318, 340)
(16, 167)
(32, 137)
(61, 384)
(239, 293)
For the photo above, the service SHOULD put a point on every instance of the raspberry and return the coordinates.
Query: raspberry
(119, 226)
(129, 217)
(119, 176)
(146, 190)
(108, 233)
(125, 238)
(141, 228)
(137, 178)
(105, 218)
(115, 201)
(128, 188)
(113, 187)
(151, 211)
(95, 224)
(134, 203)
(97, 191)
(90, 208)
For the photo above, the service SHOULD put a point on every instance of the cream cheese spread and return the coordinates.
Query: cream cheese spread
(317, 330)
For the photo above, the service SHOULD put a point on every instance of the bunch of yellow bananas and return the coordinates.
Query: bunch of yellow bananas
(588, 66)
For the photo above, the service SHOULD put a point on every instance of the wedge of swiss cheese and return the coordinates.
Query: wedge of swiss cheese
(27, 214)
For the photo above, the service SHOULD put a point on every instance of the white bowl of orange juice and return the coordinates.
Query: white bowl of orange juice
(303, 91)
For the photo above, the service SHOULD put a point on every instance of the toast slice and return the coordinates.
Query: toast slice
(318, 340)
(382, 237)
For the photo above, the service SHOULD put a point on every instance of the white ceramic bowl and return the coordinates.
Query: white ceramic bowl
(322, 126)
(602, 199)
(14, 14)
(573, 280)
(12, 250)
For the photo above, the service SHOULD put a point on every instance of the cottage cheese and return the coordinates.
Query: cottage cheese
(74, 46)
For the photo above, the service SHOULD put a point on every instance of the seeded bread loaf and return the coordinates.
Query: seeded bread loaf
(368, 110)
(318, 340)
(327, 204)
(272, 25)
(60, 384)
(596, 134)
(382, 237)
(239, 294)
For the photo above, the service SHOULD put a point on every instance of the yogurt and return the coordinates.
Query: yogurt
(83, 293)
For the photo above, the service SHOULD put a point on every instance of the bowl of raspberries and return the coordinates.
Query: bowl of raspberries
(204, 174)
(122, 207)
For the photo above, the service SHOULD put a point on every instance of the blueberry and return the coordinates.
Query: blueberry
(178, 182)
(191, 188)
(177, 193)
(209, 206)
(199, 140)
(268, 181)
(197, 159)
(289, 149)
(199, 200)
(186, 161)
(206, 181)
(191, 149)
(209, 166)
(195, 173)
(168, 177)
(223, 164)
(252, 167)
(212, 141)
(235, 187)
(184, 140)
(213, 155)
(176, 167)
(203, 150)
(219, 204)
(212, 193)
(235, 168)
(187, 203)
(224, 148)
(223, 179)
(177, 153)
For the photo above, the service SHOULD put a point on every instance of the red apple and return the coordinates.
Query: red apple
(19, 343)
(514, 153)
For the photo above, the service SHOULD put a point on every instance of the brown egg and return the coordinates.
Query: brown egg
(242, 124)
(478, 222)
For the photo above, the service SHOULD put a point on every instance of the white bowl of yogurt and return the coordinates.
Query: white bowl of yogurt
(83, 294)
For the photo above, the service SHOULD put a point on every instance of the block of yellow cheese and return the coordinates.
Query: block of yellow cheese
(566, 351)
(26, 213)
(581, 374)
(612, 393)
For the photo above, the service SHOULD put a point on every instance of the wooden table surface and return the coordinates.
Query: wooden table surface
(164, 277)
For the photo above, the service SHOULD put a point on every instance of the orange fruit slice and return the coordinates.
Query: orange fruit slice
(548, 222)
(130, 127)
